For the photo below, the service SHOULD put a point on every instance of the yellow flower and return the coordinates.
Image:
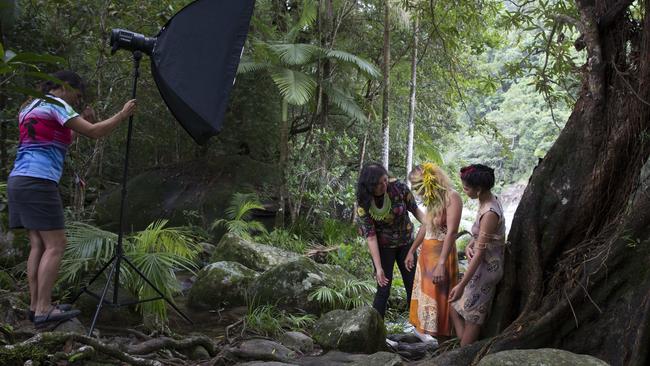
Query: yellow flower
(361, 212)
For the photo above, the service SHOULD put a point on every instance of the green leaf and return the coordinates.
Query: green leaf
(363, 65)
(345, 102)
(29, 57)
(250, 66)
(295, 87)
(294, 53)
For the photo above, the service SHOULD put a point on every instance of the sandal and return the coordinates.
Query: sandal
(62, 307)
(41, 321)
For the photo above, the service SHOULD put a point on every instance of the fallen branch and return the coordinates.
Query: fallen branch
(232, 326)
(50, 341)
(156, 344)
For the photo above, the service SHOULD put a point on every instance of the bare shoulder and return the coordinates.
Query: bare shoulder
(453, 199)
(489, 221)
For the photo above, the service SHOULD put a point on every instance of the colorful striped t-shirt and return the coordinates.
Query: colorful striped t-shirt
(44, 139)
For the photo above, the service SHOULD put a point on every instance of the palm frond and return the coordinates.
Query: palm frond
(245, 210)
(87, 247)
(295, 87)
(238, 204)
(345, 102)
(251, 66)
(159, 269)
(307, 17)
(365, 66)
(295, 53)
(158, 238)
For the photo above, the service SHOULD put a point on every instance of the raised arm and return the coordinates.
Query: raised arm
(100, 129)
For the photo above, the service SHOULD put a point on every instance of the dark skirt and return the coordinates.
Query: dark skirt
(34, 204)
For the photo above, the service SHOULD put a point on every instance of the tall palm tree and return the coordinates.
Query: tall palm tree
(291, 66)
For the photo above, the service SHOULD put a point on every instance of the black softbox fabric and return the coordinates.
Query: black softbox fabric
(195, 61)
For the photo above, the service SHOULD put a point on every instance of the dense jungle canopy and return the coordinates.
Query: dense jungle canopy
(551, 93)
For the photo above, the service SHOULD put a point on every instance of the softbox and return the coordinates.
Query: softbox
(195, 59)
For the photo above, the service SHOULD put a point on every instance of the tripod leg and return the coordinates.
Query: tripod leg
(101, 300)
(157, 290)
(83, 289)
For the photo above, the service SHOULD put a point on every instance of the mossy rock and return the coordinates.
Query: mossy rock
(259, 257)
(289, 285)
(540, 357)
(205, 187)
(6, 282)
(13, 308)
(360, 330)
(221, 282)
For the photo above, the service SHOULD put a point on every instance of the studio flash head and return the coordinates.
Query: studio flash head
(132, 41)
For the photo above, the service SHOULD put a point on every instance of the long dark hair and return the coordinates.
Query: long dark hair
(368, 180)
(478, 176)
(69, 77)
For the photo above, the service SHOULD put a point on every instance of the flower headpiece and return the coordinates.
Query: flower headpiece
(429, 188)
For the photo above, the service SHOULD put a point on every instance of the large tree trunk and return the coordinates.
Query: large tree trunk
(576, 272)
(385, 126)
(411, 122)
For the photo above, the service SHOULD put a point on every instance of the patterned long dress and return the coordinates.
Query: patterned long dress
(430, 310)
(474, 305)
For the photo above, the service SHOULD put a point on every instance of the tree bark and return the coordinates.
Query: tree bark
(385, 125)
(411, 121)
(284, 156)
(576, 271)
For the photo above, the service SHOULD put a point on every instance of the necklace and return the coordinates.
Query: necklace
(382, 213)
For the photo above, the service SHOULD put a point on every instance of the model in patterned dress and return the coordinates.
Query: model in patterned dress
(472, 298)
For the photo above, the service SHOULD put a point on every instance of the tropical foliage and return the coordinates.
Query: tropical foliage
(157, 252)
(238, 214)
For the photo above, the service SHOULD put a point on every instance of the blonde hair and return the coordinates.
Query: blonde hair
(431, 183)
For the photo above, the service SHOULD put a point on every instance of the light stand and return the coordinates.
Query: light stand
(119, 256)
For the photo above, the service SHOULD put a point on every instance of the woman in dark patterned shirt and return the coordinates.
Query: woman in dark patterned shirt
(385, 223)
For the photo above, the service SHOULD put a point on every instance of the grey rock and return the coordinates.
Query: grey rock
(540, 357)
(359, 330)
(331, 358)
(265, 363)
(199, 353)
(70, 326)
(289, 285)
(263, 350)
(297, 341)
(380, 359)
(220, 282)
(13, 308)
(259, 257)
(338, 358)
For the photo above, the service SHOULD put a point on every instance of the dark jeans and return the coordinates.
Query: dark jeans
(388, 256)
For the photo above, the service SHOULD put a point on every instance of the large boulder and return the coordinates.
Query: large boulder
(259, 257)
(360, 330)
(289, 285)
(540, 357)
(221, 282)
(204, 187)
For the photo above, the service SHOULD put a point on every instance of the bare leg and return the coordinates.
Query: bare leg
(48, 270)
(459, 323)
(470, 334)
(35, 255)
